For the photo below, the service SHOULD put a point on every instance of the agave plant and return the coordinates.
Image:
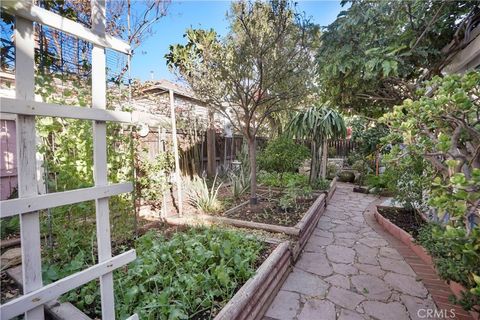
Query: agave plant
(240, 181)
(202, 197)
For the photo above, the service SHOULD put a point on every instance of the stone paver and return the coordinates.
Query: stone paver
(348, 271)
(317, 309)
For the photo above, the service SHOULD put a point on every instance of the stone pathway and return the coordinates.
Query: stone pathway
(348, 271)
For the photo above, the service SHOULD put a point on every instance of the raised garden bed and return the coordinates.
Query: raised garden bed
(246, 298)
(407, 219)
(300, 231)
(385, 219)
(254, 297)
(268, 211)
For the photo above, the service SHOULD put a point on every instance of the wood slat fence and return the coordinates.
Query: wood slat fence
(341, 148)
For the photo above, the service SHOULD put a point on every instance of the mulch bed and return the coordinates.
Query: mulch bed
(9, 288)
(268, 211)
(407, 219)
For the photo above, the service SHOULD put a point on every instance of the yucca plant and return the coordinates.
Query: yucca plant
(202, 197)
(318, 124)
(240, 183)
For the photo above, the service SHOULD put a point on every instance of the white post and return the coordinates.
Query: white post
(27, 179)
(175, 153)
(100, 159)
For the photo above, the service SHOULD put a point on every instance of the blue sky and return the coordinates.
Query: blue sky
(202, 14)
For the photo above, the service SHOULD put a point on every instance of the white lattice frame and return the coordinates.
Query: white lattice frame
(29, 202)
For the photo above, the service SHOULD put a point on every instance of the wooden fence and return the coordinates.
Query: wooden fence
(341, 148)
(193, 149)
(8, 158)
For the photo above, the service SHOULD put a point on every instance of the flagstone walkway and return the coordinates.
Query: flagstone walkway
(348, 271)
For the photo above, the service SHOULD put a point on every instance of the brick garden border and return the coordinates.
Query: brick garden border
(255, 296)
(422, 264)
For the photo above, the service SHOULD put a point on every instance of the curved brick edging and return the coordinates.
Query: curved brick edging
(423, 266)
(254, 297)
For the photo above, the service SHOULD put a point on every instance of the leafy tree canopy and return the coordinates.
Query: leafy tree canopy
(263, 66)
(376, 52)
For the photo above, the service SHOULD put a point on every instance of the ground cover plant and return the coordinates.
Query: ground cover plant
(182, 275)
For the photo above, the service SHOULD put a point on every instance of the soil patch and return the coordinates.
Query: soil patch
(407, 219)
(268, 210)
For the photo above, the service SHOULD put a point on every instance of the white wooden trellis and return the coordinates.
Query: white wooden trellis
(29, 202)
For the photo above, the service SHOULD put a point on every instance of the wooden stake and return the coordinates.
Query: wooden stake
(175, 154)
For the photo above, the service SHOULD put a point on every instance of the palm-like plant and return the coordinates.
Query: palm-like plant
(318, 124)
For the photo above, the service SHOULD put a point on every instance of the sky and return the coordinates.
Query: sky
(181, 15)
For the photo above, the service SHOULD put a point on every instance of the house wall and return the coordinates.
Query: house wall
(8, 159)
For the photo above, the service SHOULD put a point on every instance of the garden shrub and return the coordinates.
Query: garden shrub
(363, 169)
(321, 184)
(332, 170)
(282, 155)
(442, 127)
(290, 180)
(367, 135)
(278, 180)
(456, 257)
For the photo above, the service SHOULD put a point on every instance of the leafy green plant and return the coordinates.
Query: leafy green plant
(332, 170)
(354, 157)
(442, 127)
(363, 169)
(153, 176)
(273, 179)
(287, 201)
(9, 226)
(456, 255)
(239, 181)
(202, 196)
(321, 184)
(282, 155)
(192, 274)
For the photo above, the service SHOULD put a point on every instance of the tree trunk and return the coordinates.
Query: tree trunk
(315, 165)
(324, 159)
(252, 155)
(211, 154)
